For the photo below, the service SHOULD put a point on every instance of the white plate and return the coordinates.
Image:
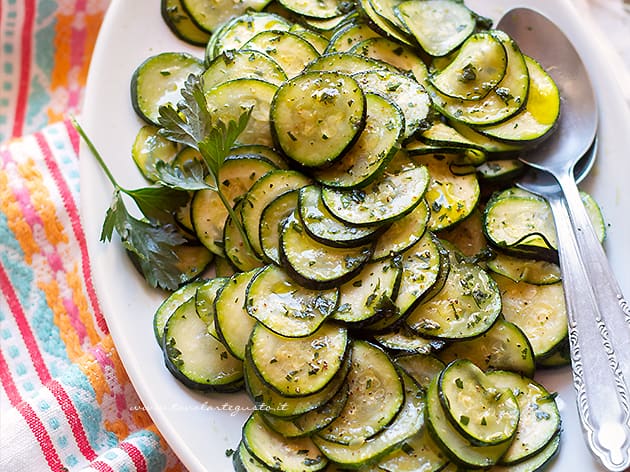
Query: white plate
(200, 428)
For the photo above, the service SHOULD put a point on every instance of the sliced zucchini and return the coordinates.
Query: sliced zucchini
(399, 55)
(385, 9)
(345, 63)
(467, 305)
(421, 367)
(386, 199)
(383, 27)
(192, 261)
(228, 101)
(170, 304)
(318, 41)
(269, 187)
(242, 64)
(459, 450)
(288, 49)
(271, 222)
(322, 226)
(451, 197)
(148, 148)
(271, 402)
(195, 357)
(368, 296)
(536, 463)
(376, 145)
(503, 347)
(477, 68)
(236, 246)
(401, 89)
(409, 421)
(538, 310)
(539, 115)
(467, 236)
(418, 453)
(260, 151)
(243, 461)
(316, 116)
(483, 413)
(302, 366)
(158, 80)
(351, 34)
(403, 233)
(276, 451)
(425, 267)
(285, 307)
(500, 170)
(204, 300)
(448, 138)
(501, 103)
(311, 421)
(558, 357)
(179, 22)
(316, 265)
(210, 15)
(402, 340)
(439, 26)
(232, 322)
(531, 271)
(490, 145)
(313, 8)
(539, 420)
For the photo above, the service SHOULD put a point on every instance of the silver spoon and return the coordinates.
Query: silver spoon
(599, 316)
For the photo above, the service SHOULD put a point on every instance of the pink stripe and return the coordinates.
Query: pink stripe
(31, 419)
(73, 135)
(23, 197)
(101, 466)
(136, 456)
(75, 220)
(24, 327)
(72, 415)
(106, 362)
(25, 67)
(75, 318)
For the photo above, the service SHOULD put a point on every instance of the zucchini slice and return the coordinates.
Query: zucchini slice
(451, 197)
(231, 99)
(421, 367)
(232, 322)
(148, 148)
(345, 63)
(179, 22)
(476, 69)
(467, 305)
(170, 304)
(383, 27)
(483, 413)
(539, 115)
(538, 310)
(351, 34)
(501, 103)
(210, 15)
(316, 265)
(402, 340)
(274, 450)
(195, 357)
(319, 9)
(368, 296)
(439, 26)
(158, 80)
(503, 347)
(273, 403)
(236, 246)
(360, 454)
(403, 233)
(532, 271)
(243, 461)
(322, 226)
(401, 89)
(269, 187)
(386, 199)
(316, 116)
(296, 367)
(376, 145)
(459, 449)
(204, 301)
(232, 65)
(288, 49)
(539, 421)
(271, 222)
(285, 307)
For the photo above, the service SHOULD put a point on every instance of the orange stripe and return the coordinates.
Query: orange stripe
(92, 24)
(42, 202)
(75, 282)
(20, 228)
(118, 427)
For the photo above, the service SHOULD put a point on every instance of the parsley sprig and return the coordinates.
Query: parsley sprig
(153, 240)
(191, 124)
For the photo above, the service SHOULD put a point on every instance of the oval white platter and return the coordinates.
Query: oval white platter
(200, 427)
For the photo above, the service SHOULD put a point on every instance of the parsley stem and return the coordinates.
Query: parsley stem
(95, 153)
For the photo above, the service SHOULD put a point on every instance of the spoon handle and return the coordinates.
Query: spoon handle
(599, 333)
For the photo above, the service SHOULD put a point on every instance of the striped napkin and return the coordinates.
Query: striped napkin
(66, 403)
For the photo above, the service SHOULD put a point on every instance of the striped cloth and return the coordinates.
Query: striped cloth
(66, 403)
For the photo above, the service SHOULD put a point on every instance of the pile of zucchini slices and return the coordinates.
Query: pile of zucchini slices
(396, 292)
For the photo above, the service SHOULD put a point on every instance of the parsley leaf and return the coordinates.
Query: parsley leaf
(190, 178)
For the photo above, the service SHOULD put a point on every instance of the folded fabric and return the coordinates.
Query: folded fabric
(66, 401)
